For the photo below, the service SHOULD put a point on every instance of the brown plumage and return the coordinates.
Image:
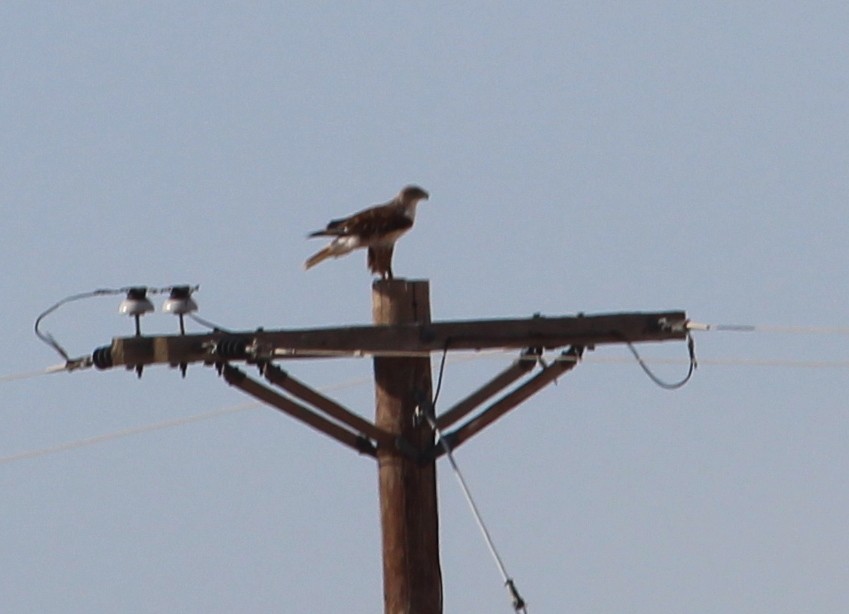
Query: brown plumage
(380, 261)
(376, 228)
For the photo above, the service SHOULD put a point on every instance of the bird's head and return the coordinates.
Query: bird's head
(412, 194)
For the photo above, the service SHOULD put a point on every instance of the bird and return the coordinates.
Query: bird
(376, 228)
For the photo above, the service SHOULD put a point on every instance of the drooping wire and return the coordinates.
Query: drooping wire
(666, 385)
(46, 337)
(519, 604)
(49, 339)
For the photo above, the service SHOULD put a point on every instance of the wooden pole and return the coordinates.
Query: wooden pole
(412, 579)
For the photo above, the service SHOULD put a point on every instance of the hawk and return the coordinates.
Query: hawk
(376, 228)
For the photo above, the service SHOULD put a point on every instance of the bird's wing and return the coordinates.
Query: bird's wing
(369, 223)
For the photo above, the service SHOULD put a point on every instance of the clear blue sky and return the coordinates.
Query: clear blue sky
(589, 157)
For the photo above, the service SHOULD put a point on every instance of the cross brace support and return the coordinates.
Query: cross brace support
(565, 362)
(239, 379)
(284, 380)
(462, 408)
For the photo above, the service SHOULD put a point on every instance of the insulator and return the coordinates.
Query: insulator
(232, 348)
(102, 357)
(180, 302)
(136, 303)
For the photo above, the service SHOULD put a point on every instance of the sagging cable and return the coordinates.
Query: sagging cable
(667, 385)
(46, 337)
(83, 362)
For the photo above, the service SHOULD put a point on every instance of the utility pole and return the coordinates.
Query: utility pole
(412, 580)
(401, 438)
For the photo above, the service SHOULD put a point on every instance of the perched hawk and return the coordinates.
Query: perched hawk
(376, 228)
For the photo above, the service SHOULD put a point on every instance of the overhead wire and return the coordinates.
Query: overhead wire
(590, 359)
(158, 426)
(518, 602)
(13, 377)
(769, 328)
(466, 356)
(147, 428)
(726, 362)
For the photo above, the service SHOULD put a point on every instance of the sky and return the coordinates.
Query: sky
(580, 157)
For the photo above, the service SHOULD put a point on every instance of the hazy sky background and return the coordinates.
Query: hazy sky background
(591, 157)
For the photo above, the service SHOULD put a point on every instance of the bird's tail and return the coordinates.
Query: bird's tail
(319, 256)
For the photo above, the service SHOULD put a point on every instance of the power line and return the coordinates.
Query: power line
(408, 513)
(467, 357)
(158, 426)
(788, 363)
(728, 362)
(769, 328)
(12, 377)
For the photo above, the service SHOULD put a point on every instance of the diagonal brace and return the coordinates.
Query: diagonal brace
(239, 379)
(565, 362)
(284, 380)
(462, 408)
